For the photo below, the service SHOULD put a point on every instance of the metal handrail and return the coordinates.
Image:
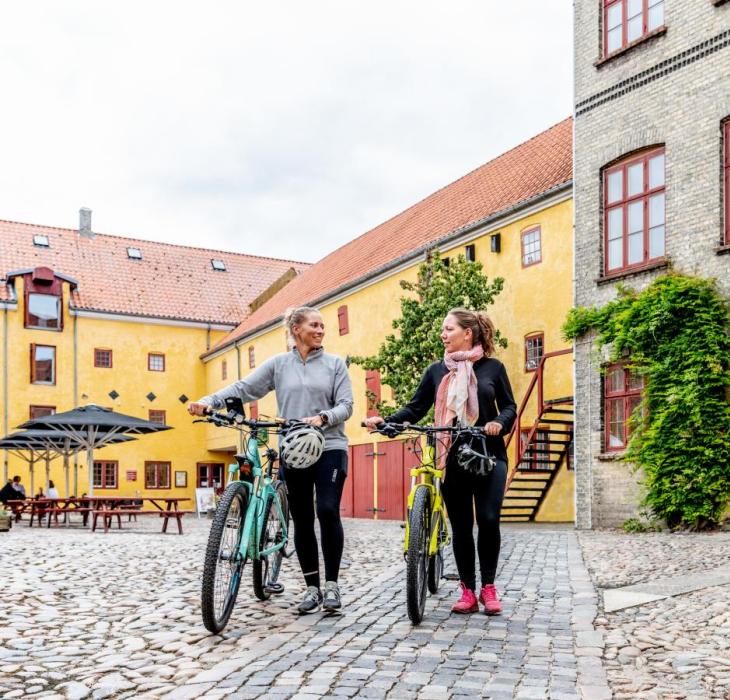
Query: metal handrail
(537, 378)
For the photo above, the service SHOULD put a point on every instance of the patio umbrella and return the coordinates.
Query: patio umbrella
(93, 426)
(28, 452)
(60, 442)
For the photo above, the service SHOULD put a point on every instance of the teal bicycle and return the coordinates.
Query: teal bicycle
(251, 521)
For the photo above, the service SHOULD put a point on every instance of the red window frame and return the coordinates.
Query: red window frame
(160, 355)
(224, 369)
(251, 356)
(624, 4)
(373, 391)
(207, 472)
(99, 358)
(157, 475)
(107, 472)
(623, 205)
(157, 415)
(34, 368)
(343, 320)
(527, 259)
(619, 401)
(36, 323)
(41, 411)
(726, 178)
(532, 360)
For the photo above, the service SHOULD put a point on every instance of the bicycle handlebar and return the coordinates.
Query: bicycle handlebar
(236, 420)
(392, 429)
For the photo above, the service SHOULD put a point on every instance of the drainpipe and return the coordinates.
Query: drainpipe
(76, 398)
(5, 391)
(238, 377)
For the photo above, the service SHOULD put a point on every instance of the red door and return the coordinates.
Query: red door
(346, 504)
(362, 481)
(390, 480)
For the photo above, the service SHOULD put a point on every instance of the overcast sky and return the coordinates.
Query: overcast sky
(274, 128)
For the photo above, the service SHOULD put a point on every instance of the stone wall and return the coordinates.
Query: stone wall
(673, 90)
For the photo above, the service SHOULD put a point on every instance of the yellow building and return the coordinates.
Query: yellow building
(514, 214)
(91, 318)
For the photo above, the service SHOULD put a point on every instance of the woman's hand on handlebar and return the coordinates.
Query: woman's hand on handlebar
(493, 428)
(372, 423)
(196, 408)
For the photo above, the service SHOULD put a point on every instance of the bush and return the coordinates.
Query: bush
(675, 334)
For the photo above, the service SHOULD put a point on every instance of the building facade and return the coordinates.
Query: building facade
(120, 323)
(514, 215)
(651, 168)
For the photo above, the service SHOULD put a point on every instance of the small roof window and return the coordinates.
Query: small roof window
(41, 240)
(218, 265)
(134, 253)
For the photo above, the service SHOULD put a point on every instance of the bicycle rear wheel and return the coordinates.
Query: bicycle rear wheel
(416, 574)
(266, 569)
(223, 559)
(436, 562)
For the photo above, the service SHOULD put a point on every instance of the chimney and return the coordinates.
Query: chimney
(85, 223)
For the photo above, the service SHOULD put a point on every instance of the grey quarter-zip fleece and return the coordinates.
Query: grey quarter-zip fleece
(321, 384)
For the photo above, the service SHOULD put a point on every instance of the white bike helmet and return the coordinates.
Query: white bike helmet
(301, 445)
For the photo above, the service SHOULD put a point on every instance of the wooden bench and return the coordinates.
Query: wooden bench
(108, 513)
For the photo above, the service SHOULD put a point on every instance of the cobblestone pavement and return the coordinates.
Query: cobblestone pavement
(117, 615)
(678, 647)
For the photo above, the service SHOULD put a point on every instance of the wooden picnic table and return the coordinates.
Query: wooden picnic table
(104, 507)
(109, 507)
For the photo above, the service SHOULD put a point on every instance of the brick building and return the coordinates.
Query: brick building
(651, 168)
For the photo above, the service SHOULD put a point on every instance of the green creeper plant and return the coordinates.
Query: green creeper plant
(675, 334)
(404, 355)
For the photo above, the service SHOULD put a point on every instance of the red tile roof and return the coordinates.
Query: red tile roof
(170, 281)
(532, 168)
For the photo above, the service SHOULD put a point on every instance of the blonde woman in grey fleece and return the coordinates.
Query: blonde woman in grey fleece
(313, 386)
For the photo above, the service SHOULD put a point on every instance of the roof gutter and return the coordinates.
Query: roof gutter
(407, 257)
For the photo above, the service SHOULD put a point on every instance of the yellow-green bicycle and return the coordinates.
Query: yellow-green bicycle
(427, 531)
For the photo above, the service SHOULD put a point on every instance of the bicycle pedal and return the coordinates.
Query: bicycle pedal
(275, 588)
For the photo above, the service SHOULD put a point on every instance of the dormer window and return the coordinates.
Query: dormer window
(41, 241)
(218, 265)
(44, 311)
(134, 253)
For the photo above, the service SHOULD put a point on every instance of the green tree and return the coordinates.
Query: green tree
(404, 355)
(675, 333)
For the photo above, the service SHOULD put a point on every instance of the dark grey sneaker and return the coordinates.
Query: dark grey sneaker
(331, 602)
(311, 602)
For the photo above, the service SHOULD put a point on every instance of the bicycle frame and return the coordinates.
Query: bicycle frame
(258, 493)
(429, 477)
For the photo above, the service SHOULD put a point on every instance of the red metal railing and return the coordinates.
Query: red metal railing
(537, 379)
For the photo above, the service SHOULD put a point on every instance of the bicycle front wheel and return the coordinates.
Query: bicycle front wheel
(436, 562)
(417, 558)
(223, 559)
(266, 568)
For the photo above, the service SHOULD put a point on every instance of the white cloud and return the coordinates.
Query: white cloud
(280, 129)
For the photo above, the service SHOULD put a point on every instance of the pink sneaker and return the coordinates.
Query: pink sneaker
(488, 596)
(467, 603)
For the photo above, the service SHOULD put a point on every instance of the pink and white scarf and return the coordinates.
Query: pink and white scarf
(456, 397)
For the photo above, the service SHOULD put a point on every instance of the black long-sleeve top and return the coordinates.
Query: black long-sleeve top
(494, 393)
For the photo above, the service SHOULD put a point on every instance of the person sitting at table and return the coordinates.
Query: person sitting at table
(8, 493)
(53, 491)
(19, 487)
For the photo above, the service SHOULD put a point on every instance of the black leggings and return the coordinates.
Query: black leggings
(326, 477)
(463, 493)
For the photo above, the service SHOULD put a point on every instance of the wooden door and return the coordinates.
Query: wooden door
(346, 503)
(390, 480)
(362, 481)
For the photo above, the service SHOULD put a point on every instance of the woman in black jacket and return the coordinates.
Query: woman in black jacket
(471, 387)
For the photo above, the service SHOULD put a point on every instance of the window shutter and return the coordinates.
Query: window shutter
(342, 320)
(372, 391)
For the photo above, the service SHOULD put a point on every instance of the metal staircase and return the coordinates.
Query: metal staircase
(547, 444)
